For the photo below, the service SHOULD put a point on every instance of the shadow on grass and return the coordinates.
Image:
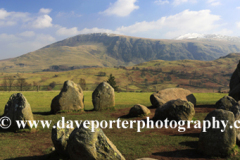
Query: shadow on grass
(152, 107)
(89, 110)
(43, 113)
(187, 153)
(127, 116)
(206, 106)
(188, 135)
(192, 144)
(32, 158)
(50, 156)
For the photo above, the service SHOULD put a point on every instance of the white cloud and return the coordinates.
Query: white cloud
(44, 21)
(27, 34)
(178, 2)
(12, 18)
(238, 24)
(161, 2)
(45, 11)
(223, 32)
(74, 31)
(96, 30)
(12, 44)
(121, 8)
(8, 37)
(7, 23)
(3, 13)
(214, 2)
(184, 22)
(238, 7)
(44, 39)
(67, 32)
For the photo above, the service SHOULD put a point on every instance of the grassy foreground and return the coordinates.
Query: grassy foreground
(155, 143)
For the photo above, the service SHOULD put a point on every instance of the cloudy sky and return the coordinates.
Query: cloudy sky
(27, 25)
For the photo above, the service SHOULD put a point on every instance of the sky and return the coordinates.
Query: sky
(28, 25)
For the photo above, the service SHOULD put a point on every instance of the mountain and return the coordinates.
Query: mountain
(108, 50)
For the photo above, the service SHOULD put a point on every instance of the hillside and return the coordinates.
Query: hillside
(109, 50)
(195, 75)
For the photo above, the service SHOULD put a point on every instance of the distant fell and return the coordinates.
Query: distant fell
(109, 50)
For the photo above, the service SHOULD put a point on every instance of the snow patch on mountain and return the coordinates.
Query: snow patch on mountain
(197, 36)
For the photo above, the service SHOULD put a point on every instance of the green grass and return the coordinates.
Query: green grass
(131, 144)
(208, 98)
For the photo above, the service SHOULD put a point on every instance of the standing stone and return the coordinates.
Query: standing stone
(83, 144)
(139, 110)
(103, 97)
(235, 84)
(215, 141)
(60, 139)
(229, 104)
(226, 103)
(70, 98)
(161, 97)
(18, 108)
(175, 110)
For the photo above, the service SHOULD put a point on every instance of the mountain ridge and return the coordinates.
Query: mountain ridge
(108, 50)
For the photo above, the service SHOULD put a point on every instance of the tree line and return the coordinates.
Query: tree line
(10, 81)
(17, 83)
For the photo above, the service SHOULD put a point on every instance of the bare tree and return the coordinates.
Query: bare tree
(36, 84)
(21, 82)
(82, 83)
(5, 84)
(10, 82)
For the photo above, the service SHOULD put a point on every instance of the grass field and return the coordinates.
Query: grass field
(155, 143)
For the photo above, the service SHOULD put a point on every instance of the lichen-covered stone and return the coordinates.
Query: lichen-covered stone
(60, 138)
(70, 98)
(103, 97)
(175, 110)
(86, 145)
(226, 103)
(213, 142)
(161, 97)
(229, 104)
(139, 110)
(18, 108)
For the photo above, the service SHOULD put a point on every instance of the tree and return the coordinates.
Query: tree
(5, 83)
(52, 85)
(36, 85)
(82, 83)
(112, 82)
(146, 82)
(21, 82)
(143, 73)
(102, 74)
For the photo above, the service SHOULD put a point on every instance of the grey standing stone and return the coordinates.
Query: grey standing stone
(70, 98)
(103, 97)
(226, 103)
(18, 108)
(163, 96)
(139, 110)
(214, 142)
(86, 145)
(60, 138)
(175, 110)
